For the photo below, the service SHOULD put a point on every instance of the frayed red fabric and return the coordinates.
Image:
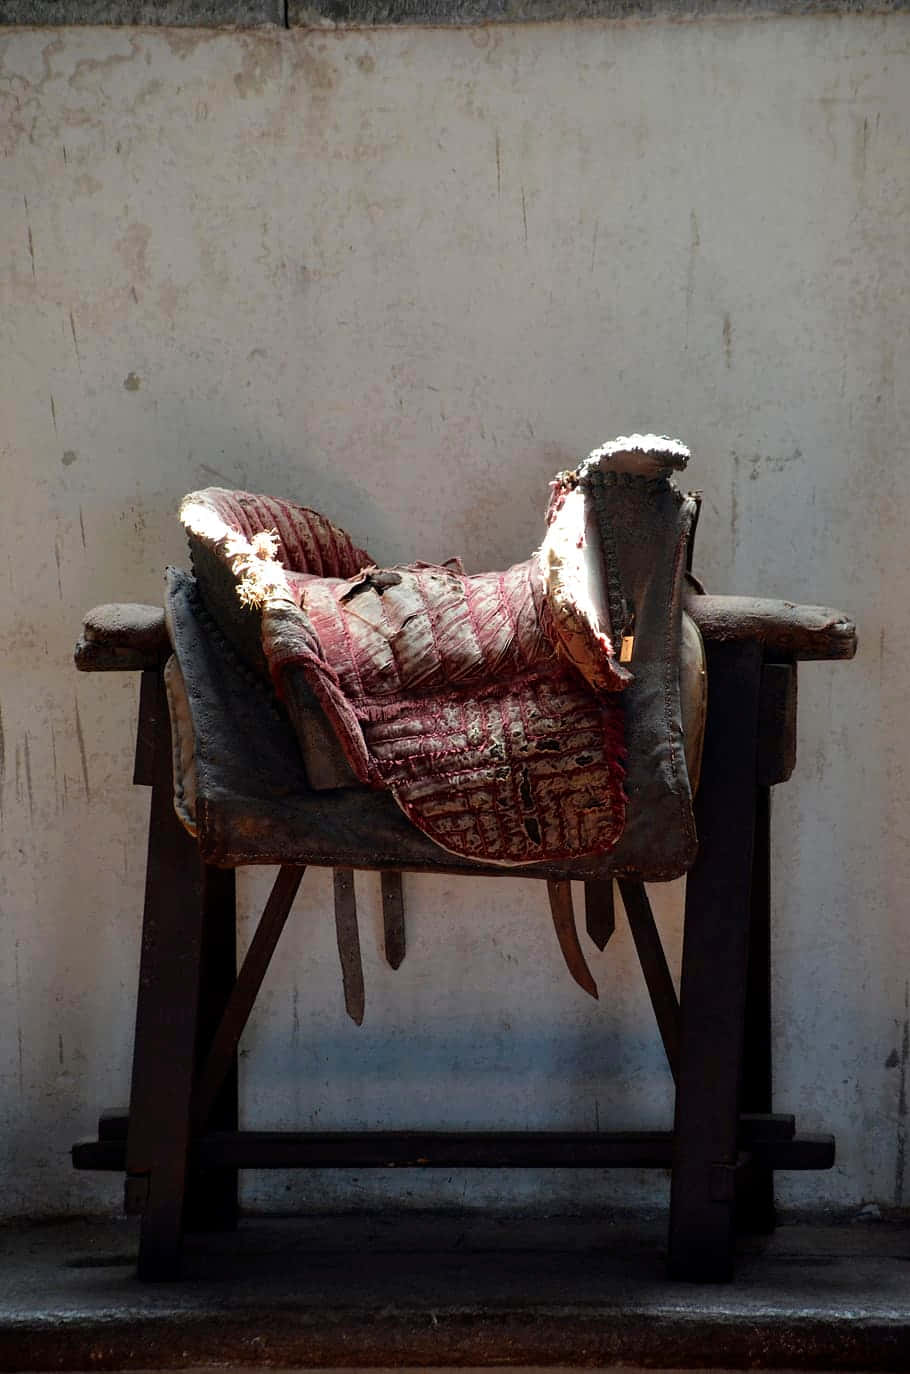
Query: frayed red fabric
(447, 689)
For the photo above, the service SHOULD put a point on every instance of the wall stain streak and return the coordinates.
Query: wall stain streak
(498, 166)
(524, 214)
(54, 763)
(594, 243)
(728, 342)
(900, 1153)
(28, 778)
(75, 340)
(690, 271)
(81, 738)
(18, 1017)
(57, 561)
(214, 472)
(31, 241)
(82, 527)
(53, 412)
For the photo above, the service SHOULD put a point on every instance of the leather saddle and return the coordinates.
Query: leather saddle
(544, 713)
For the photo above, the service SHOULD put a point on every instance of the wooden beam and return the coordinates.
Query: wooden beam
(714, 970)
(240, 1003)
(654, 967)
(453, 1149)
(784, 630)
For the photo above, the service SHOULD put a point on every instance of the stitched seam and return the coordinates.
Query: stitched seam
(515, 651)
(440, 661)
(469, 796)
(472, 620)
(346, 631)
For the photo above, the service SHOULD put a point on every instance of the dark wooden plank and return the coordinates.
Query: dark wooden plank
(802, 1152)
(563, 913)
(113, 1124)
(754, 1127)
(212, 1194)
(600, 911)
(784, 630)
(128, 625)
(144, 762)
(348, 937)
(777, 724)
(118, 638)
(419, 1149)
(109, 1155)
(653, 962)
(220, 1058)
(403, 1149)
(715, 957)
(755, 1189)
(166, 1020)
(764, 1126)
(110, 658)
(393, 928)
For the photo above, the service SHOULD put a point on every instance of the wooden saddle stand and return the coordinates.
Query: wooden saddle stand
(242, 775)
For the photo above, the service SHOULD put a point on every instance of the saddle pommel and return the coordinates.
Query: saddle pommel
(640, 455)
(592, 617)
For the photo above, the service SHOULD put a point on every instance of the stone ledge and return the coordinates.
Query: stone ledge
(352, 13)
(380, 13)
(203, 14)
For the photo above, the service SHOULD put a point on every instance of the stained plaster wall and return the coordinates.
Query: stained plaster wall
(404, 276)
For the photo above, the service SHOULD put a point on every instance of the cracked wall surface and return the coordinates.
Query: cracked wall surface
(404, 276)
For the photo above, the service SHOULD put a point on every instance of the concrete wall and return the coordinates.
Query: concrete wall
(404, 276)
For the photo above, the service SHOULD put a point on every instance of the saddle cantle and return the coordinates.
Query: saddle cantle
(546, 712)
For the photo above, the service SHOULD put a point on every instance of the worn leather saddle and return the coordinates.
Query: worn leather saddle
(546, 713)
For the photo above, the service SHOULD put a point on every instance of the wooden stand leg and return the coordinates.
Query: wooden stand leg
(755, 1191)
(167, 1031)
(211, 1203)
(714, 972)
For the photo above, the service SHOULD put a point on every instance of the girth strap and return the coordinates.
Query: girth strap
(349, 943)
(563, 913)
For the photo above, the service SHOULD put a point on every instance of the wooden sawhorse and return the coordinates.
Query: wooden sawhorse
(179, 1144)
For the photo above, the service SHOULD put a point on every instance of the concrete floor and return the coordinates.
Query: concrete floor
(425, 1290)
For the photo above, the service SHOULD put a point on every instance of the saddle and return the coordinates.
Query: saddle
(548, 712)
